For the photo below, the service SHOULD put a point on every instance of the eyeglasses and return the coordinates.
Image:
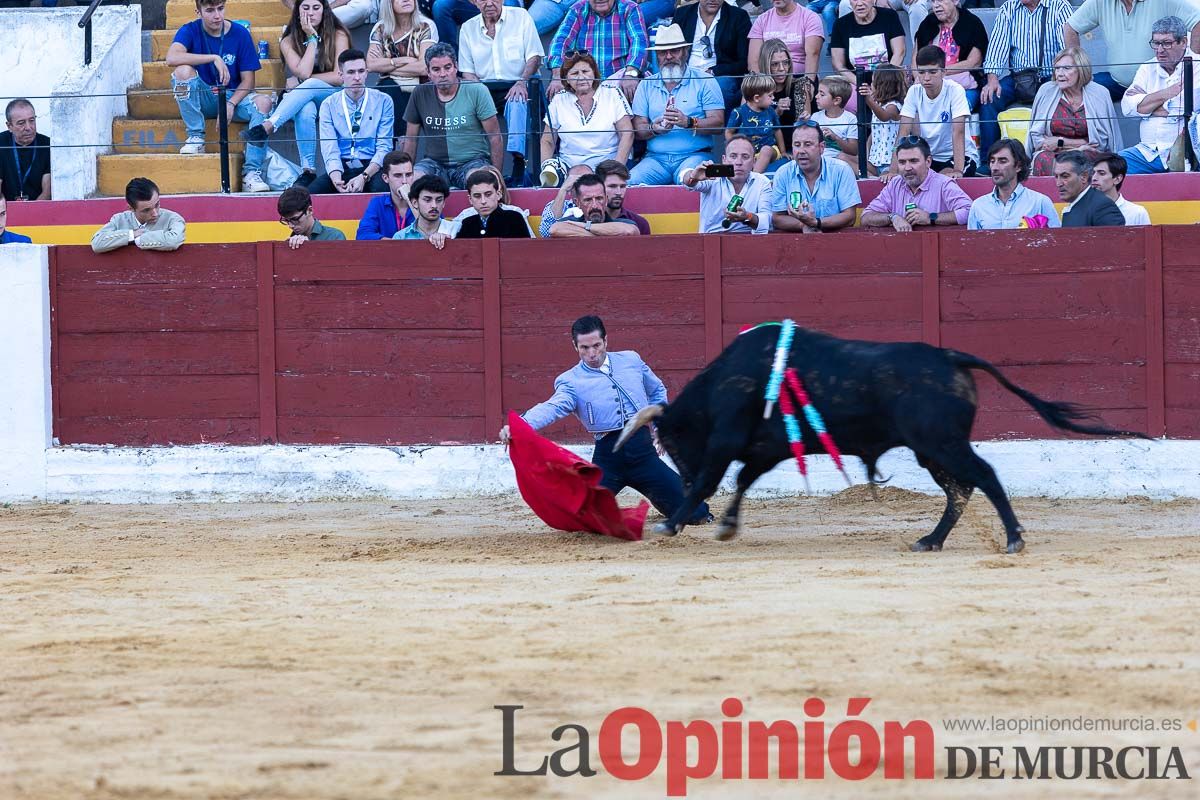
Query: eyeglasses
(294, 220)
(575, 53)
(807, 123)
(908, 141)
(1162, 45)
(706, 43)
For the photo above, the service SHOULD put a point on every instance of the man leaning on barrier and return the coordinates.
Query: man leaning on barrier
(1010, 204)
(296, 212)
(811, 193)
(145, 224)
(718, 213)
(919, 196)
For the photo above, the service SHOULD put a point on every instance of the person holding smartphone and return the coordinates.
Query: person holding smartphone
(733, 198)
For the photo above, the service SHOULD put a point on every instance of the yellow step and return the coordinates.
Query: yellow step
(157, 75)
(174, 174)
(161, 40)
(258, 12)
(166, 136)
(152, 104)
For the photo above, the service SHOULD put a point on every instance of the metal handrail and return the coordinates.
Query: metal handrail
(85, 22)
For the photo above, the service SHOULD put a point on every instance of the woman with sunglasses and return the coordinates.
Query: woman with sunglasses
(588, 122)
(311, 44)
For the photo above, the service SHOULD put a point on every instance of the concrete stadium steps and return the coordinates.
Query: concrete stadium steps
(174, 174)
(157, 75)
(152, 104)
(258, 12)
(166, 136)
(160, 41)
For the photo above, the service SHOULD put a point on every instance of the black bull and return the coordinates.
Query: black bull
(873, 396)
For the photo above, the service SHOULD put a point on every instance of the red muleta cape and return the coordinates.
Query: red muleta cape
(563, 489)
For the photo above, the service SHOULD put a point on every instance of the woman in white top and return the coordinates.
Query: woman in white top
(589, 123)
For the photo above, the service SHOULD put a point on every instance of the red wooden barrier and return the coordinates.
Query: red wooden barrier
(397, 343)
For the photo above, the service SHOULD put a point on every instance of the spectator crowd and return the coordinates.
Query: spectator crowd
(723, 100)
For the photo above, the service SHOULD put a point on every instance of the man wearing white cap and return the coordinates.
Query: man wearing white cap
(676, 111)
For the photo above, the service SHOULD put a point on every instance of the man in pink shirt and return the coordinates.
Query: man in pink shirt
(800, 29)
(922, 197)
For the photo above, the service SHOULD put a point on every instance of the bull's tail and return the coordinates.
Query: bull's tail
(640, 419)
(1064, 416)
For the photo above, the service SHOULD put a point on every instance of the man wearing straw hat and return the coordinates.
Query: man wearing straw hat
(676, 111)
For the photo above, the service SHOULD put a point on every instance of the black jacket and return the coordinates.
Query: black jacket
(733, 36)
(1092, 211)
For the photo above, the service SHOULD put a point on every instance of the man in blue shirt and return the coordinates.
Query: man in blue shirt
(813, 193)
(207, 53)
(677, 112)
(7, 236)
(605, 390)
(1010, 204)
(356, 127)
(388, 213)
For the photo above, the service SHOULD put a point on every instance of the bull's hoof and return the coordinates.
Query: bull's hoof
(1016, 546)
(663, 529)
(726, 531)
(922, 546)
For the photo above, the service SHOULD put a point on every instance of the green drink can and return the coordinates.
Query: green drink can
(795, 199)
(735, 203)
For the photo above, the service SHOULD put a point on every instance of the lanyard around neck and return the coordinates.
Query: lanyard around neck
(23, 176)
(350, 125)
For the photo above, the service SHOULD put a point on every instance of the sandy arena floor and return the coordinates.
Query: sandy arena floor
(356, 650)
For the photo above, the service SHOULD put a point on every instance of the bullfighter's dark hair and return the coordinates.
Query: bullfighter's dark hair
(1019, 155)
(139, 190)
(585, 325)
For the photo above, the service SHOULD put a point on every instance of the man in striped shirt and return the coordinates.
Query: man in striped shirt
(1027, 34)
(613, 31)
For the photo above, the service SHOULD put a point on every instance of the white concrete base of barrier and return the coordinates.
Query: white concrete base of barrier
(1160, 469)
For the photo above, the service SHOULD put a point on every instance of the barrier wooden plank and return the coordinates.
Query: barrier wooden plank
(396, 351)
(377, 262)
(559, 301)
(1047, 341)
(159, 396)
(840, 254)
(391, 430)
(142, 432)
(1117, 296)
(157, 353)
(619, 257)
(668, 347)
(215, 266)
(1046, 251)
(381, 395)
(154, 309)
(870, 330)
(823, 301)
(449, 305)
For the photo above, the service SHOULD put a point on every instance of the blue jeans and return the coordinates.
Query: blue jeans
(663, 169)
(547, 14)
(989, 130)
(449, 15)
(200, 103)
(654, 10)
(1115, 90)
(828, 9)
(638, 466)
(1138, 165)
(302, 104)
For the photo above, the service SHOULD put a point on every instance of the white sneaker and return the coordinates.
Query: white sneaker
(253, 182)
(194, 146)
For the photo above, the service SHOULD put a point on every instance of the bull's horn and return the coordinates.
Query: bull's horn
(643, 417)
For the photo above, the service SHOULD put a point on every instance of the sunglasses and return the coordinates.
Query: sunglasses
(355, 122)
(574, 53)
(706, 43)
(909, 141)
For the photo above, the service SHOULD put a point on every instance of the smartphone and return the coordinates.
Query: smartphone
(719, 170)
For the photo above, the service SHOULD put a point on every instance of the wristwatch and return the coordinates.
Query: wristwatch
(1061, 143)
(933, 218)
(632, 72)
(587, 226)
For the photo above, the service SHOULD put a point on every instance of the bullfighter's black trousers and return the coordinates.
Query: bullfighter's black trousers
(638, 466)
